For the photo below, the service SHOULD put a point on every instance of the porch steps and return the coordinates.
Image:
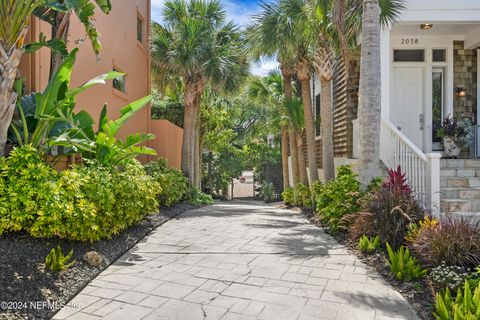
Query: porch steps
(460, 186)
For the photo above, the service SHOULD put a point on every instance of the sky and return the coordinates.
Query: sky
(237, 10)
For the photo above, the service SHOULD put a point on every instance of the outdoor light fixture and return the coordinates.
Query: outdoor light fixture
(426, 26)
(461, 92)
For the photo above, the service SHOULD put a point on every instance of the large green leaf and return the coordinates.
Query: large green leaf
(127, 112)
(97, 80)
(56, 89)
(56, 45)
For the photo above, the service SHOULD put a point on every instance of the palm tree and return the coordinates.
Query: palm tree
(198, 46)
(293, 114)
(270, 35)
(270, 89)
(375, 12)
(293, 12)
(13, 29)
(322, 33)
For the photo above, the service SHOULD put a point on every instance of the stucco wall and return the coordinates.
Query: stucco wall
(168, 142)
(121, 51)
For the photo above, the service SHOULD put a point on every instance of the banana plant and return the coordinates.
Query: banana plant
(57, 14)
(48, 119)
(103, 146)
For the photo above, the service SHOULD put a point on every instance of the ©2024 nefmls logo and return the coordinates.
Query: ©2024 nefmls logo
(36, 305)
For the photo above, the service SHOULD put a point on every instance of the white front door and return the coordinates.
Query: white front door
(407, 103)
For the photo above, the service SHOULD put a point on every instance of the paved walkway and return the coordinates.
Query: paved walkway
(239, 260)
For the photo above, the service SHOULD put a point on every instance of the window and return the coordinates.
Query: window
(317, 115)
(439, 55)
(409, 55)
(120, 83)
(139, 29)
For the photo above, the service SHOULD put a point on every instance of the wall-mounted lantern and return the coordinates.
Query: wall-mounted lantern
(426, 26)
(461, 92)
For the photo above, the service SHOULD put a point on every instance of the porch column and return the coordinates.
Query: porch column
(432, 196)
(478, 88)
(385, 67)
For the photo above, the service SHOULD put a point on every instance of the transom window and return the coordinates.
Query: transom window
(439, 55)
(409, 55)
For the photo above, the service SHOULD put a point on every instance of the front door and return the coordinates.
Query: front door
(407, 103)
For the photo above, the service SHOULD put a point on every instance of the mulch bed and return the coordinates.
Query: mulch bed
(25, 285)
(419, 294)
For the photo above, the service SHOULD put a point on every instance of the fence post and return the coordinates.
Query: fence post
(433, 182)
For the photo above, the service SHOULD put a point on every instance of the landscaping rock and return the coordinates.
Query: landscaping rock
(93, 258)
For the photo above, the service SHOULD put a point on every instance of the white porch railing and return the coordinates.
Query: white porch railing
(422, 170)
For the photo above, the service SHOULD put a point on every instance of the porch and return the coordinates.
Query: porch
(429, 72)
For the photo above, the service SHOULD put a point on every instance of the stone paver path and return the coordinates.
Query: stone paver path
(239, 260)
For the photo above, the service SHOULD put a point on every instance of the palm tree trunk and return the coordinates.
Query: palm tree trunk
(294, 154)
(285, 172)
(326, 116)
(59, 31)
(303, 72)
(188, 127)
(198, 151)
(9, 62)
(287, 88)
(302, 165)
(370, 93)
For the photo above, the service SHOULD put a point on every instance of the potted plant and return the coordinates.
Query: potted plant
(455, 134)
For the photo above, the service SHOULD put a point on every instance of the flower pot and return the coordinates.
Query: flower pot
(450, 147)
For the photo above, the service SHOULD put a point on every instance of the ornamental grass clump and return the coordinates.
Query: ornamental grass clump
(453, 241)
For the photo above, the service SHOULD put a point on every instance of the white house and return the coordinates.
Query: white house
(429, 60)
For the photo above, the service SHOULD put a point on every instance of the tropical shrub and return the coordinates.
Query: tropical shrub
(338, 197)
(368, 245)
(268, 192)
(56, 261)
(197, 197)
(288, 196)
(29, 190)
(122, 196)
(456, 242)
(445, 276)
(465, 306)
(84, 203)
(394, 208)
(403, 265)
(173, 184)
(302, 196)
(74, 215)
(317, 187)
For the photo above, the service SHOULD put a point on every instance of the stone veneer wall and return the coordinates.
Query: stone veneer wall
(465, 74)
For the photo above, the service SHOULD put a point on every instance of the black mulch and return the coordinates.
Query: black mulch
(419, 294)
(26, 286)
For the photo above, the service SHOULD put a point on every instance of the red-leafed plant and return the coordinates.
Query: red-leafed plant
(397, 181)
(387, 212)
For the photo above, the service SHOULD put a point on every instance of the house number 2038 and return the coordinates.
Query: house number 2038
(409, 41)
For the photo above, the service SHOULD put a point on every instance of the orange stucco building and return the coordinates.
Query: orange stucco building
(124, 37)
